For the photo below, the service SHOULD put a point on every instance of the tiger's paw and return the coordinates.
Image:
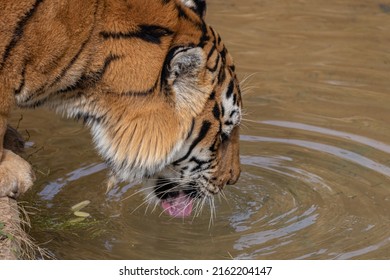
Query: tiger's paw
(16, 175)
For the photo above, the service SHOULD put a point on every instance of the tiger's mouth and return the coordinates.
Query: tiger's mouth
(179, 206)
(176, 200)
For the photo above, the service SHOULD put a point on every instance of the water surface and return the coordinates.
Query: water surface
(315, 149)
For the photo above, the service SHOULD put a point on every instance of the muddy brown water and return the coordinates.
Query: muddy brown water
(315, 150)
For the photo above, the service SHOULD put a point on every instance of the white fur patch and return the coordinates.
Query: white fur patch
(230, 107)
(22, 96)
(189, 3)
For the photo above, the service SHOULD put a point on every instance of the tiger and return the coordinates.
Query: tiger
(151, 79)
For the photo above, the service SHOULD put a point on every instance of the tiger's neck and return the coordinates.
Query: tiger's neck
(136, 136)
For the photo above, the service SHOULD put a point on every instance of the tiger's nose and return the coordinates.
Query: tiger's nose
(234, 175)
(228, 179)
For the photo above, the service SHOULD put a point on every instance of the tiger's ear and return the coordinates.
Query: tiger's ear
(187, 79)
(199, 6)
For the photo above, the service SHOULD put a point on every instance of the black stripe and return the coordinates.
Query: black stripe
(136, 93)
(221, 76)
(213, 147)
(74, 59)
(183, 14)
(78, 84)
(18, 32)
(191, 129)
(202, 134)
(85, 117)
(38, 103)
(199, 164)
(223, 55)
(216, 111)
(232, 113)
(153, 33)
(70, 64)
(224, 136)
(141, 93)
(219, 39)
(98, 75)
(211, 52)
(35, 104)
(201, 8)
(212, 95)
(149, 33)
(63, 72)
(214, 35)
(205, 37)
(230, 89)
(172, 52)
(94, 77)
(39, 91)
(216, 65)
(234, 99)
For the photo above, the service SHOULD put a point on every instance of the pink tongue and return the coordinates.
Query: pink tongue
(180, 206)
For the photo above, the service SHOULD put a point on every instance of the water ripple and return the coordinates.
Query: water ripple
(362, 251)
(53, 188)
(335, 151)
(300, 222)
(349, 136)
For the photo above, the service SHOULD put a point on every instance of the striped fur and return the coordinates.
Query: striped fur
(150, 78)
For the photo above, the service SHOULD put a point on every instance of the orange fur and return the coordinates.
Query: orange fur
(113, 63)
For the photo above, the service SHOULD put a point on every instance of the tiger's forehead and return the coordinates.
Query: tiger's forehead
(176, 22)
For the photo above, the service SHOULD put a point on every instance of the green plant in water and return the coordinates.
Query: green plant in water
(74, 221)
(3, 234)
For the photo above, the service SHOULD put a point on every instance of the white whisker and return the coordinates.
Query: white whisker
(246, 79)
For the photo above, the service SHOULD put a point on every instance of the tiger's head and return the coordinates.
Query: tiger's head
(201, 76)
(184, 139)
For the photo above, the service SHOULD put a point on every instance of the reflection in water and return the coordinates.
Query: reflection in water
(315, 150)
(349, 136)
(302, 221)
(368, 249)
(338, 152)
(278, 165)
(53, 188)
